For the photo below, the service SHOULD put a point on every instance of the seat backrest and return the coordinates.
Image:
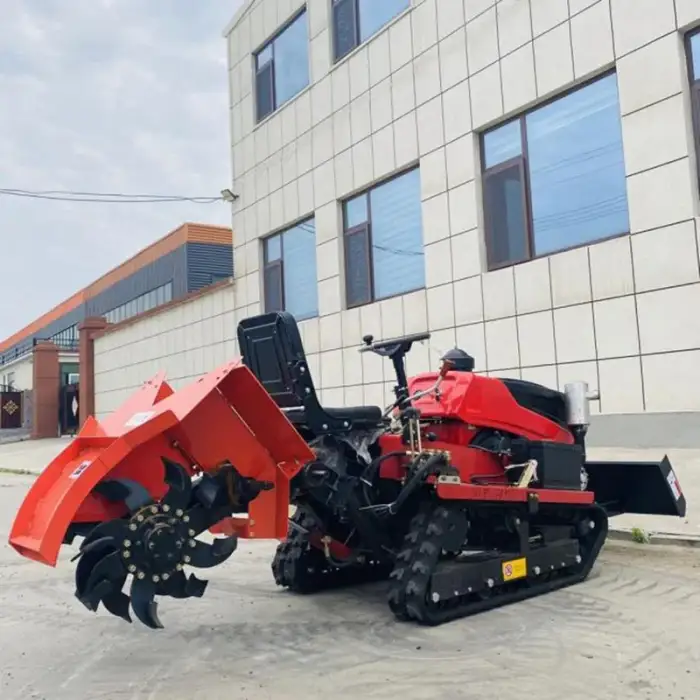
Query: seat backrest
(271, 348)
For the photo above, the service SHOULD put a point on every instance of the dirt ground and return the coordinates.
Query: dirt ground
(628, 632)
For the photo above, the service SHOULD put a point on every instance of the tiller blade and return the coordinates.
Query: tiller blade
(154, 543)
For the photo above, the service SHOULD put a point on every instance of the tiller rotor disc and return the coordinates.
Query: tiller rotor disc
(156, 541)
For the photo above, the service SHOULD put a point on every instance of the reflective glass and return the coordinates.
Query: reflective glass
(397, 236)
(576, 168)
(291, 60)
(299, 261)
(374, 14)
(502, 144)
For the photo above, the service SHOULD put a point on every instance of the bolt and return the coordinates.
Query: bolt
(133, 527)
(166, 577)
(178, 567)
(191, 533)
(537, 570)
(517, 521)
(435, 597)
(166, 508)
(186, 518)
(178, 512)
(489, 583)
(156, 578)
(578, 558)
(192, 543)
(139, 517)
(132, 569)
(127, 543)
(186, 559)
(154, 509)
(141, 575)
(126, 555)
(563, 563)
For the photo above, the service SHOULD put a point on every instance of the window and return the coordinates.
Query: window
(282, 67)
(693, 48)
(383, 237)
(141, 304)
(290, 271)
(555, 178)
(355, 21)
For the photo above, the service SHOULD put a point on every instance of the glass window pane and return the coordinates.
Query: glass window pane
(577, 169)
(265, 99)
(272, 280)
(357, 272)
(344, 27)
(356, 211)
(397, 236)
(300, 284)
(292, 60)
(695, 56)
(273, 248)
(374, 15)
(264, 56)
(504, 214)
(168, 292)
(502, 144)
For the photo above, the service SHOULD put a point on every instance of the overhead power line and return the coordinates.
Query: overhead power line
(106, 197)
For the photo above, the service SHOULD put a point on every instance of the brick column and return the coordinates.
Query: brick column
(88, 329)
(45, 390)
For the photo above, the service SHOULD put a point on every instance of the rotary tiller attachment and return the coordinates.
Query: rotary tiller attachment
(156, 540)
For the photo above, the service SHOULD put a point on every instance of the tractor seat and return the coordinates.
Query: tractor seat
(354, 414)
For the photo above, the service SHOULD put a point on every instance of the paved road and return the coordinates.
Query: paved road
(629, 632)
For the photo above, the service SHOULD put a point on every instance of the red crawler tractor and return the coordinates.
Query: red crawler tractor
(467, 493)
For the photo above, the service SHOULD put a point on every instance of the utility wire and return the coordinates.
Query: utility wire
(105, 197)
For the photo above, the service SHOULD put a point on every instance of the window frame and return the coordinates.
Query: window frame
(269, 265)
(526, 189)
(270, 43)
(694, 87)
(357, 39)
(366, 229)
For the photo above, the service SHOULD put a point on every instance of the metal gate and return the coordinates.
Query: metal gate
(10, 410)
(68, 408)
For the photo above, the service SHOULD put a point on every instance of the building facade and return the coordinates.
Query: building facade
(518, 177)
(191, 257)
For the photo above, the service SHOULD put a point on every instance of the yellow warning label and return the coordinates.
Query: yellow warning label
(516, 568)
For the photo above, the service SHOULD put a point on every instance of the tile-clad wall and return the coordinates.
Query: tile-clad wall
(186, 340)
(619, 314)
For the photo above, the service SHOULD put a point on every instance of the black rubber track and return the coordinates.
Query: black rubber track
(419, 559)
(303, 568)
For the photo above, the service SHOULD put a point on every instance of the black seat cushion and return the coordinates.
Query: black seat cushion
(540, 399)
(356, 414)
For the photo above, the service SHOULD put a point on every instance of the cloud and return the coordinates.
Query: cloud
(108, 96)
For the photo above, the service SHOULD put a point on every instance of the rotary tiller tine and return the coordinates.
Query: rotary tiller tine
(180, 585)
(114, 529)
(117, 602)
(101, 543)
(85, 567)
(142, 603)
(110, 568)
(131, 492)
(204, 555)
(179, 483)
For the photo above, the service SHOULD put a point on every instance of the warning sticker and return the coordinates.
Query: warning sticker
(516, 568)
(673, 483)
(138, 419)
(79, 469)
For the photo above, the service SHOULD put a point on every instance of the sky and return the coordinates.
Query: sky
(118, 96)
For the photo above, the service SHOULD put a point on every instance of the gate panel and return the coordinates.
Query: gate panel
(10, 410)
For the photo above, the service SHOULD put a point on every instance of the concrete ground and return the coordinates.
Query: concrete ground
(630, 631)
